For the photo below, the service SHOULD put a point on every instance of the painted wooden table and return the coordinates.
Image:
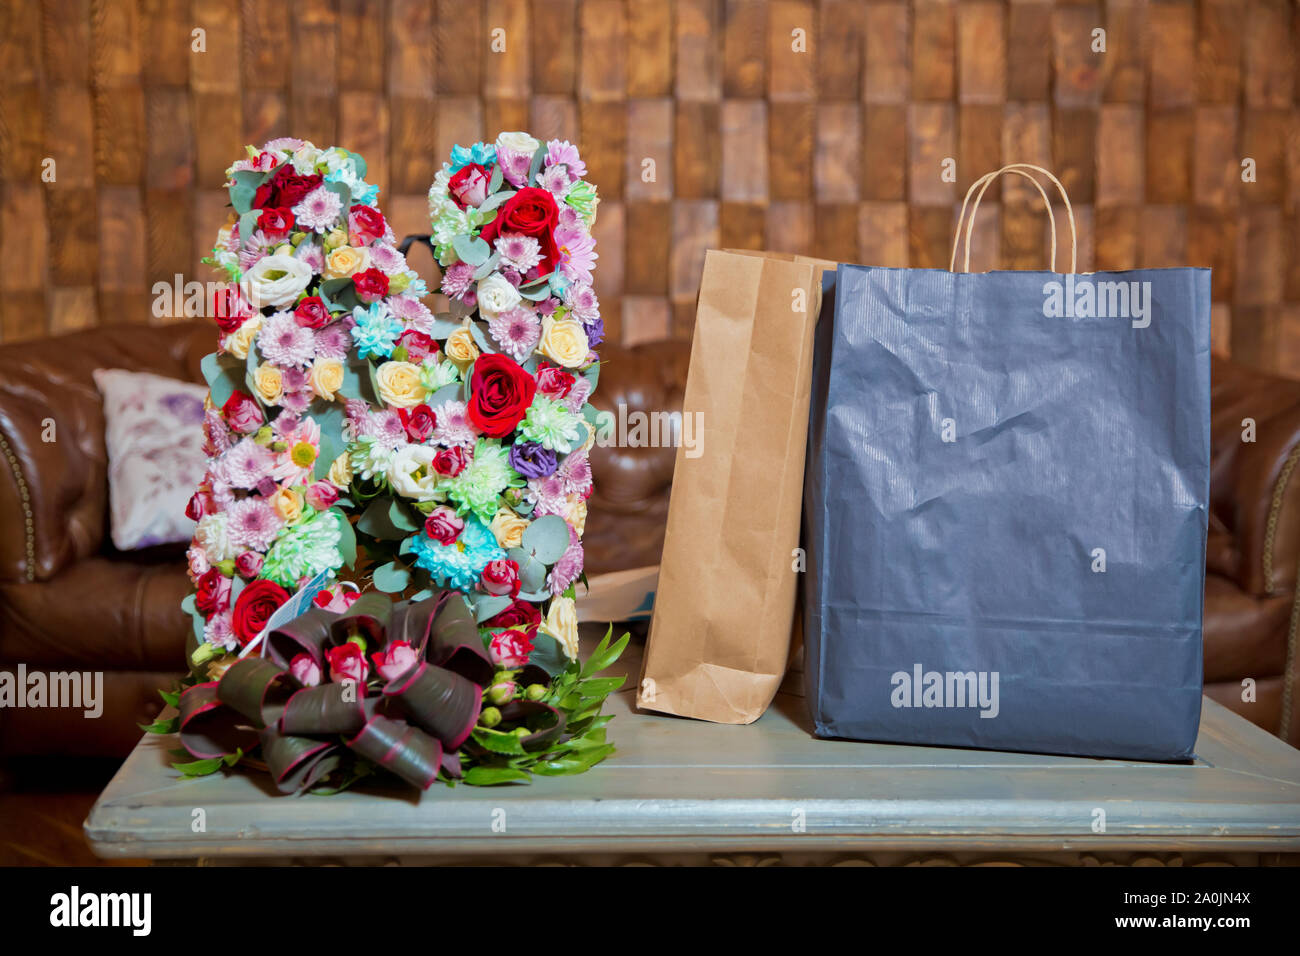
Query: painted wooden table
(681, 791)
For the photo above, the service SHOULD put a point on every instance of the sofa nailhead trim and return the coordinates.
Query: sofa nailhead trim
(29, 527)
(1293, 632)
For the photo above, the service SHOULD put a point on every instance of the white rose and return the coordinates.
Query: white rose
(276, 281)
(562, 624)
(518, 143)
(496, 295)
(403, 468)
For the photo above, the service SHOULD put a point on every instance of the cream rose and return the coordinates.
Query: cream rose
(517, 142)
(276, 281)
(288, 504)
(411, 473)
(400, 384)
(564, 341)
(508, 528)
(340, 473)
(239, 341)
(496, 295)
(562, 624)
(269, 382)
(575, 512)
(345, 261)
(460, 349)
(213, 538)
(326, 377)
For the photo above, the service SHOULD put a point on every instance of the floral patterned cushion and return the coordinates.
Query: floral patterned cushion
(153, 431)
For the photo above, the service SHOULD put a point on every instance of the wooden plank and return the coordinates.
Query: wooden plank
(459, 121)
(503, 115)
(1120, 156)
(929, 236)
(699, 67)
(789, 227)
(790, 131)
(1261, 256)
(1169, 138)
(507, 65)
(1076, 67)
(934, 49)
(413, 156)
(647, 267)
(170, 224)
(1026, 138)
(610, 233)
(932, 141)
(314, 116)
(19, 24)
(65, 32)
(170, 163)
(1264, 137)
(1125, 61)
(979, 146)
(556, 117)
(115, 42)
(835, 234)
(884, 147)
(73, 235)
(1163, 237)
(603, 145)
(981, 53)
(316, 40)
(120, 147)
(461, 43)
(213, 71)
(792, 66)
(1216, 168)
(601, 67)
(122, 244)
(840, 44)
(744, 150)
(650, 149)
(650, 35)
(882, 234)
(22, 317)
(742, 225)
(744, 49)
(1220, 29)
(1269, 56)
(24, 238)
(646, 319)
(887, 75)
(1029, 65)
(266, 117)
(1171, 54)
(554, 33)
(364, 30)
(364, 127)
(71, 309)
(267, 56)
(22, 134)
(69, 135)
(165, 27)
(221, 118)
(1117, 237)
(697, 152)
(836, 163)
(695, 229)
(1212, 244)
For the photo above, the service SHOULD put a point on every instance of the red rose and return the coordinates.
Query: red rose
(229, 309)
(276, 222)
(365, 225)
(443, 525)
(468, 186)
(418, 345)
(242, 413)
(419, 422)
(500, 393)
(371, 285)
(519, 614)
(450, 461)
(530, 212)
(285, 188)
(554, 382)
(311, 313)
(510, 648)
(213, 592)
(255, 604)
(501, 577)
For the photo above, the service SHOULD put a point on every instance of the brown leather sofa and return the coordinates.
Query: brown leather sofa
(68, 601)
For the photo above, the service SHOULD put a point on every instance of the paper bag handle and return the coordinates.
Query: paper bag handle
(983, 183)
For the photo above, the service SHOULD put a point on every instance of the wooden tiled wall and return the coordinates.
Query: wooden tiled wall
(819, 127)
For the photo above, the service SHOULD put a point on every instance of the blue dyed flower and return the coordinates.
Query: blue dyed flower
(481, 153)
(416, 288)
(376, 331)
(459, 564)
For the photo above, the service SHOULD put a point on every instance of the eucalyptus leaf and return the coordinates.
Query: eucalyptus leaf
(490, 605)
(224, 374)
(498, 176)
(494, 200)
(548, 654)
(347, 540)
(385, 519)
(481, 338)
(248, 223)
(358, 163)
(474, 251)
(448, 393)
(592, 374)
(330, 419)
(488, 267)
(342, 191)
(547, 538)
(443, 325)
(391, 578)
(539, 155)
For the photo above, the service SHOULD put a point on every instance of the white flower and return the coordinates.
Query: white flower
(276, 281)
(411, 473)
(518, 143)
(496, 295)
(213, 536)
(304, 159)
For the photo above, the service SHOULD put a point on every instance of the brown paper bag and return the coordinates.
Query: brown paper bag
(720, 635)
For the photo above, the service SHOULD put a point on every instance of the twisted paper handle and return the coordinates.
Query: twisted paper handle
(983, 183)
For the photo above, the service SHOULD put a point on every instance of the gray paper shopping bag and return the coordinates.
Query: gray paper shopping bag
(1005, 509)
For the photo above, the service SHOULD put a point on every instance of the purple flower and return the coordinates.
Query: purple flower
(595, 330)
(532, 460)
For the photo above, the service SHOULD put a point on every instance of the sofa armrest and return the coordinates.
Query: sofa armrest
(53, 476)
(1256, 484)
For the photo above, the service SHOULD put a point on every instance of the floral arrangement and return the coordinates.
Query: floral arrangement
(359, 442)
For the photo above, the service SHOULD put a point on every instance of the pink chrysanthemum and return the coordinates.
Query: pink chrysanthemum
(219, 631)
(574, 473)
(333, 341)
(555, 180)
(298, 393)
(311, 254)
(413, 313)
(517, 332)
(547, 495)
(569, 567)
(385, 428)
(216, 434)
(454, 426)
(458, 279)
(387, 259)
(253, 523)
(282, 341)
(244, 465)
(285, 143)
(577, 396)
(302, 447)
(256, 248)
(582, 302)
(520, 253)
(319, 209)
(577, 254)
(560, 152)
